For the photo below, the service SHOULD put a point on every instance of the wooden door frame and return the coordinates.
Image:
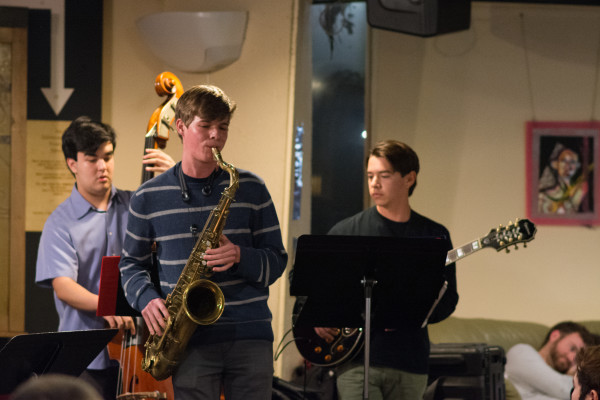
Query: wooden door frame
(17, 37)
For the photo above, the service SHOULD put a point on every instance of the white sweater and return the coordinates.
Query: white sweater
(533, 378)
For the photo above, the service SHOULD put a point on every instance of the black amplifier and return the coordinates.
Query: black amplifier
(466, 371)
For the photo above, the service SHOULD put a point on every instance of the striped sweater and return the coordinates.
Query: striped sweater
(158, 214)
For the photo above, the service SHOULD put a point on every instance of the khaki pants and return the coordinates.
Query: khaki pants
(384, 384)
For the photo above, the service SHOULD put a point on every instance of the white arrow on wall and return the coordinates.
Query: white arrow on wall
(57, 94)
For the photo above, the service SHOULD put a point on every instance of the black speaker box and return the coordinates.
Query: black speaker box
(420, 17)
(467, 371)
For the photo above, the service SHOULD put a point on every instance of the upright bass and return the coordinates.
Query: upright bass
(135, 383)
(162, 121)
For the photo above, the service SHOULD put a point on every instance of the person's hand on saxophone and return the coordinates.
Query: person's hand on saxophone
(223, 257)
(155, 315)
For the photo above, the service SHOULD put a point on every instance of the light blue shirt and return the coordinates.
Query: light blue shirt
(75, 238)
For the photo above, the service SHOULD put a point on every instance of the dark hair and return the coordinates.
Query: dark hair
(86, 136)
(55, 387)
(208, 102)
(588, 370)
(568, 327)
(402, 158)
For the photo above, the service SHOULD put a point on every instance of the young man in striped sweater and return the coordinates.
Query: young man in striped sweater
(236, 351)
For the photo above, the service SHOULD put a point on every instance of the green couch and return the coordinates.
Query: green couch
(503, 333)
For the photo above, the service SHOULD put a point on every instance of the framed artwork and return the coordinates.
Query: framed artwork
(562, 163)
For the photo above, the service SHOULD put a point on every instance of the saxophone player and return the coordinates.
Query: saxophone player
(236, 351)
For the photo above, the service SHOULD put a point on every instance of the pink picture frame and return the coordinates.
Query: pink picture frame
(562, 163)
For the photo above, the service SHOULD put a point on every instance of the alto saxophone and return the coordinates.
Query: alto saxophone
(195, 300)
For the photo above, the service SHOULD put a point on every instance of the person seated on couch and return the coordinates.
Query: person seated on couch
(546, 374)
(586, 382)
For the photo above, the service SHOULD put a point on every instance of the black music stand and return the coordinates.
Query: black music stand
(345, 277)
(68, 353)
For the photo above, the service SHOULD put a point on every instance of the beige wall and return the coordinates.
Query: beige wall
(462, 100)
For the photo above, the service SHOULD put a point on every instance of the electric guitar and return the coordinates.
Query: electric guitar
(349, 341)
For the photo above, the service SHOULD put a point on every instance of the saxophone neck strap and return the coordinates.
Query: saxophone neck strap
(206, 190)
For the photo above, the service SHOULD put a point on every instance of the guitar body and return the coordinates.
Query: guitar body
(349, 341)
(318, 352)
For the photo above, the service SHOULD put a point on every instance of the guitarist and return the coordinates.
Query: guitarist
(399, 357)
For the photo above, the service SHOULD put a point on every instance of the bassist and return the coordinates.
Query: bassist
(88, 225)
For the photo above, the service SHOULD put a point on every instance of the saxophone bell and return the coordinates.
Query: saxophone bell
(203, 302)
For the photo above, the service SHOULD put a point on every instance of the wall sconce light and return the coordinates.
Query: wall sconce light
(195, 41)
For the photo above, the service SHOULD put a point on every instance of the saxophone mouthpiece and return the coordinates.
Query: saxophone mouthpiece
(217, 155)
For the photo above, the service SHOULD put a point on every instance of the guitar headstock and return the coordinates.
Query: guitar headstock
(521, 231)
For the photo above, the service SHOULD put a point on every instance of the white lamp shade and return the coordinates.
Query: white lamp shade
(195, 41)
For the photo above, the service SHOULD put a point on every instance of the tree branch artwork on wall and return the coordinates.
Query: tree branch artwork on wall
(333, 19)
